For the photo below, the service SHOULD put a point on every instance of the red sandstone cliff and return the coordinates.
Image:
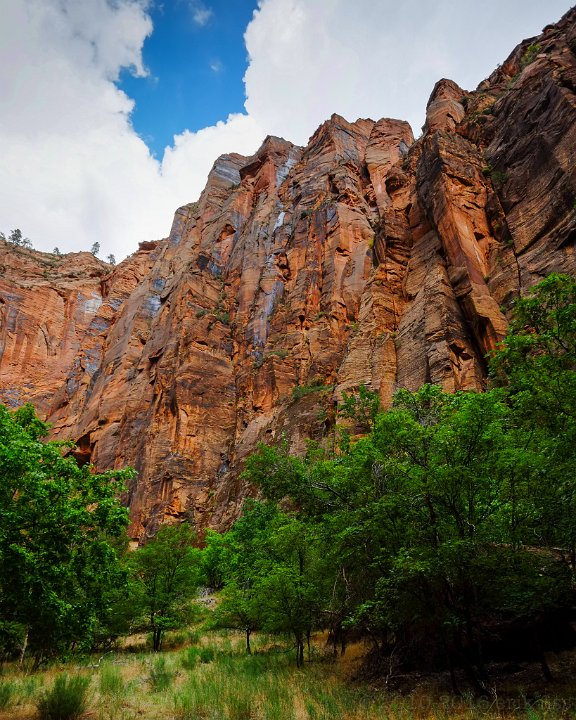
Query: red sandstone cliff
(365, 257)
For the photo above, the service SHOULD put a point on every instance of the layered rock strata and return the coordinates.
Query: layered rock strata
(364, 257)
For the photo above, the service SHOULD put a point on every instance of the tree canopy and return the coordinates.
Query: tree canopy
(58, 522)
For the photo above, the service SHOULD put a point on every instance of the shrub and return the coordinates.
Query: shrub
(282, 354)
(498, 178)
(206, 654)
(66, 699)
(190, 658)
(160, 675)
(530, 55)
(223, 317)
(301, 391)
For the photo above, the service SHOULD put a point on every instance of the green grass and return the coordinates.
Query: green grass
(65, 700)
(7, 693)
(235, 686)
(161, 674)
(111, 681)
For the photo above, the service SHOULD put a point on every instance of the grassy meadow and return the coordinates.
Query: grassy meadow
(211, 677)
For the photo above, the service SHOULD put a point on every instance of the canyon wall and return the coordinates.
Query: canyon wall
(365, 257)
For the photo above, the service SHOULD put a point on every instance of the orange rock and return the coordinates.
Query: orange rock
(365, 257)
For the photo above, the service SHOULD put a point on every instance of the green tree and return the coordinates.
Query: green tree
(236, 561)
(16, 237)
(537, 360)
(455, 476)
(166, 575)
(362, 407)
(240, 609)
(95, 249)
(289, 591)
(425, 527)
(536, 364)
(268, 565)
(57, 525)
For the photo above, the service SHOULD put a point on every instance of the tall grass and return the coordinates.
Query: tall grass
(65, 700)
(111, 681)
(7, 693)
(235, 686)
(161, 675)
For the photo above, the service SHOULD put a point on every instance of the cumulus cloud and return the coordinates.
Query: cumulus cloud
(239, 133)
(310, 58)
(73, 169)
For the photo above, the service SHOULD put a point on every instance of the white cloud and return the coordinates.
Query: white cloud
(74, 171)
(201, 14)
(216, 66)
(240, 133)
(310, 58)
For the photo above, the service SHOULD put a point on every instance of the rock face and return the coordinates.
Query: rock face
(364, 257)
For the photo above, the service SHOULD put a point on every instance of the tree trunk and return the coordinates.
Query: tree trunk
(545, 668)
(453, 681)
(299, 649)
(479, 688)
(23, 650)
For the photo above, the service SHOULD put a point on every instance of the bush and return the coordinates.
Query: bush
(190, 658)
(530, 55)
(66, 699)
(223, 317)
(160, 675)
(315, 386)
(206, 654)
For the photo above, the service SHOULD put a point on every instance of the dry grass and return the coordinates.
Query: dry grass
(218, 681)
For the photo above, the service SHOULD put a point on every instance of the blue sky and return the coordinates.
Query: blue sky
(196, 59)
(112, 112)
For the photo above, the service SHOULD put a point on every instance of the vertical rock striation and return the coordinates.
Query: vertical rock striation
(364, 257)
